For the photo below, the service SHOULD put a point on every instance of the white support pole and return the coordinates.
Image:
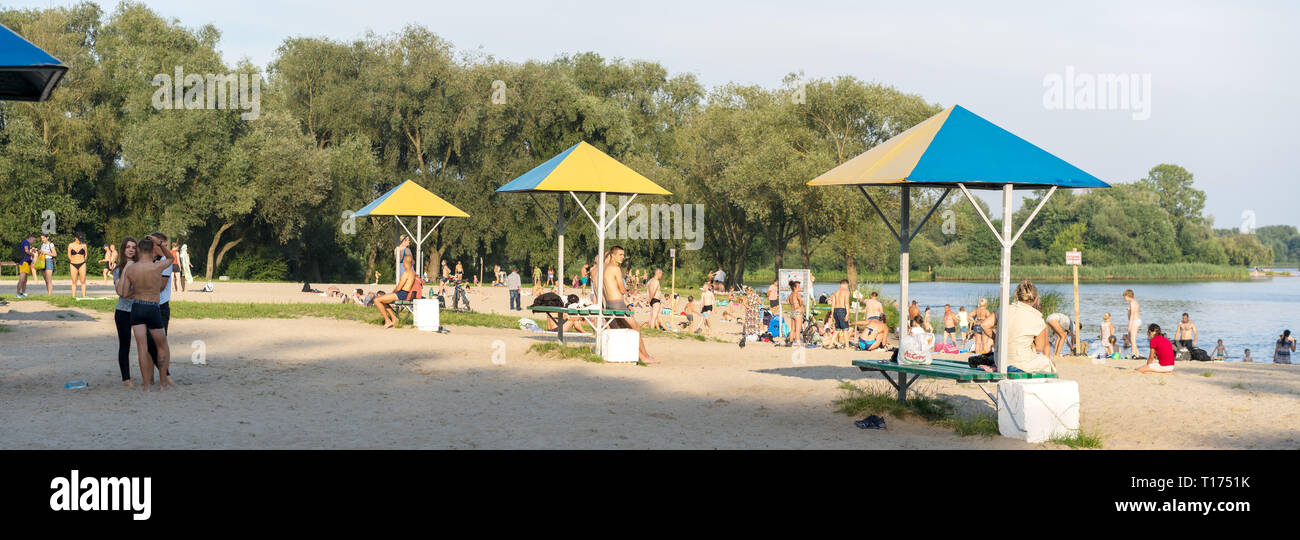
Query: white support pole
(1032, 215)
(600, 269)
(419, 237)
(1005, 299)
(560, 225)
(980, 211)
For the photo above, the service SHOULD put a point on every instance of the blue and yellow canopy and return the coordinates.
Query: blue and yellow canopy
(409, 199)
(27, 73)
(954, 146)
(583, 169)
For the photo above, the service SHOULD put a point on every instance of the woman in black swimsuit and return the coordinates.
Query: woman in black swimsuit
(77, 262)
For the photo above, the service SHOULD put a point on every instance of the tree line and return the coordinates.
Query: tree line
(341, 122)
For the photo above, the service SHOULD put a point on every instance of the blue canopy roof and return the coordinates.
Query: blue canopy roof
(958, 146)
(27, 73)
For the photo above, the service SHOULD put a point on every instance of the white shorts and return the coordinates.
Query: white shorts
(1160, 369)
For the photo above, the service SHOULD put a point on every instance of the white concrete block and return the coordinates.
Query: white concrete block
(426, 313)
(1038, 409)
(620, 345)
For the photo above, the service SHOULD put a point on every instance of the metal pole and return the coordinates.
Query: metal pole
(419, 241)
(559, 228)
(904, 262)
(600, 276)
(1005, 299)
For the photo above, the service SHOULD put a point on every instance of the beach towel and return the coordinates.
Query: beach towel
(945, 348)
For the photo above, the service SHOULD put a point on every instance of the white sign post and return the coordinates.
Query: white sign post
(1074, 259)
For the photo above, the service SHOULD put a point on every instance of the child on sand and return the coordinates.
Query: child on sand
(1108, 334)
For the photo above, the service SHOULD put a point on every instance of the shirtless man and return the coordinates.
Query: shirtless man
(1186, 328)
(1134, 321)
(873, 309)
(656, 303)
(614, 297)
(142, 282)
(949, 325)
(840, 309)
(403, 292)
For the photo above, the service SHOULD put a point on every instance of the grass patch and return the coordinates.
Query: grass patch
(1206, 374)
(566, 352)
(1118, 272)
(4, 329)
(856, 401)
(1080, 439)
(1239, 386)
(984, 425)
(247, 310)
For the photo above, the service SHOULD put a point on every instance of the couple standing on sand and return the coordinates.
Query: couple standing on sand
(143, 307)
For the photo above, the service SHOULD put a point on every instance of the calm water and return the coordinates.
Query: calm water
(1244, 314)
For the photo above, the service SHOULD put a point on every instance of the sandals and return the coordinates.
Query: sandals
(871, 422)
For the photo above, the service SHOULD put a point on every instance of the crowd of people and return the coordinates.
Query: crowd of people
(39, 259)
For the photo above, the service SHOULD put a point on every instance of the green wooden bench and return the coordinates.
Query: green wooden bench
(559, 315)
(956, 370)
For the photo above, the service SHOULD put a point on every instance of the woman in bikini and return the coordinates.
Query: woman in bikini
(403, 292)
(977, 328)
(796, 314)
(77, 262)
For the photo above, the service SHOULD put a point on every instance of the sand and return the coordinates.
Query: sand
(318, 383)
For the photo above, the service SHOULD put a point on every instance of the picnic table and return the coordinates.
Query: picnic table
(559, 315)
(956, 370)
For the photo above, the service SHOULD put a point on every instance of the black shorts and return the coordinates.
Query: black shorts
(950, 330)
(146, 313)
(841, 318)
(773, 303)
(706, 309)
(654, 301)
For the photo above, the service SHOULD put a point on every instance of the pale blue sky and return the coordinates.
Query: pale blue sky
(1222, 74)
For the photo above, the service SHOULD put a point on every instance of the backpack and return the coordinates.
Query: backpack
(1181, 354)
(549, 299)
(1200, 355)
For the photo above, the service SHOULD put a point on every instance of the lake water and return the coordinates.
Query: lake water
(1244, 314)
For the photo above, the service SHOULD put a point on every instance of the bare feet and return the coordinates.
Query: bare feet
(128, 383)
(388, 324)
(648, 360)
(166, 384)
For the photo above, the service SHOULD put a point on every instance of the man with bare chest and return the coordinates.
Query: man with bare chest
(142, 282)
(615, 297)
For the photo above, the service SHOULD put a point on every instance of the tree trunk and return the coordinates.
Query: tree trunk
(803, 243)
(226, 248)
(851, 268)
(370, 262)
(212, 248)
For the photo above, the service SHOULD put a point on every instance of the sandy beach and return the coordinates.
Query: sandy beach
(323, 383)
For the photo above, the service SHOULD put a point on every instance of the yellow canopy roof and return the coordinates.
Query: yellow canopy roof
(409, 199)
(583, 168)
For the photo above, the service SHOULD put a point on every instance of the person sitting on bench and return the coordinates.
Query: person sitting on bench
(1027, 345)
(403, 292)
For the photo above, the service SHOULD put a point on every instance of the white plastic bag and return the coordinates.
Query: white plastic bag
(916, 349)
